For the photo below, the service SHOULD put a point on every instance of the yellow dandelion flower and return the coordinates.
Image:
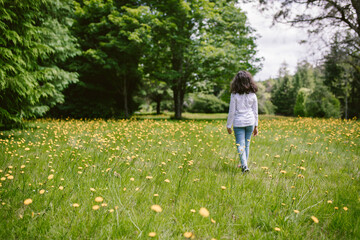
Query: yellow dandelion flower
(329, 201)
(111, 210)
(137, 189)
(152, 234)
(75, 205)
(167, 180)
(3, 178)
(292, 186)
(223, 187)
(277, 229)
(315, 219)
(336, 208)
(51, 176)
(345, 208)
(193, 210)
(61, 188)
(156, 208)
(204, 212)
(283, 171)
(149, 177)
(92, 189)
(132, 179)
(156, 195)
(42, 191)
(188, 234)
(95, 207)
(212, 220)
(10, 177)
(104, 204)
(28, 201)
(99, 199)
(296, 211)
(276, 156)
(22, 166)
(27, 149)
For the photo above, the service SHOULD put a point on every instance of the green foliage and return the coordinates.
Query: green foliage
(343, 79)
(199, 41)
(226, 45)
(265, 105)
(304, 76)
(299, 108)
(322, 103)
(206, 103)
(34, 44)
(112, 36)
(283, 96)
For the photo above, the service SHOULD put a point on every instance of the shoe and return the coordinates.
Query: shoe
(245, 169)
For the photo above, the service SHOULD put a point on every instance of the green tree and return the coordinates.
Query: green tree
(283, 93)
(343, 18)
(343, 80)
(34, 44)
(112, 36)
(304, 76)
(322, 103)
(155, 91)
(206, 41)
(226, 45)
(299, 108)
(264, 100)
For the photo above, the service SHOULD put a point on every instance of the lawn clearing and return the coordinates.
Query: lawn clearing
(164, 179)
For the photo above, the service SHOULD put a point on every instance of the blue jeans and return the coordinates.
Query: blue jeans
(242, 137)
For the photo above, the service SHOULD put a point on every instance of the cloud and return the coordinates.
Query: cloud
(277, 44)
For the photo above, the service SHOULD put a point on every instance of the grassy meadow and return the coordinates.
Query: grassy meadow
(163, 179)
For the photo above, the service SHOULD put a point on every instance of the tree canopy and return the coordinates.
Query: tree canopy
(35, 43)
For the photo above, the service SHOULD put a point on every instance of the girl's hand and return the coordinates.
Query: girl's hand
(255, 132)
(229, 130)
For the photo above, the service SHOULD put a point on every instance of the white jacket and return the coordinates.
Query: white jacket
(243, 110)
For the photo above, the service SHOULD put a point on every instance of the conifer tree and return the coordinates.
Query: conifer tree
(34, 44)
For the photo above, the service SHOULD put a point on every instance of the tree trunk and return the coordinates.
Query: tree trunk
(177, 65)
(126, 109)
(158, 103)
(346, 97)
(177, 102)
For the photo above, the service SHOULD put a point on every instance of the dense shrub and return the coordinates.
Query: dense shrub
(206, 103)
(322, 103)
(299, 108)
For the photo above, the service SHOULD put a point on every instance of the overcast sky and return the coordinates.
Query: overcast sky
(276, 44)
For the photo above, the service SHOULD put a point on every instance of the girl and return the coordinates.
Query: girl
(243, 114)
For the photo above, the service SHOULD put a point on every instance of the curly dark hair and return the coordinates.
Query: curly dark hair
(242, 83)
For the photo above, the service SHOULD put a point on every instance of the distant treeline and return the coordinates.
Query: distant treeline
(311, 92)
(108, 59)
(103, 58)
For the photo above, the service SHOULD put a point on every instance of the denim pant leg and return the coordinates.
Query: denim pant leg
(242, 137)
(248, 131)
